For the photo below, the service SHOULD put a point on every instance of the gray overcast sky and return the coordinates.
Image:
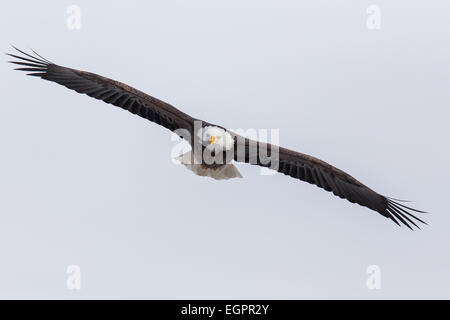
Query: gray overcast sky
(85, 183)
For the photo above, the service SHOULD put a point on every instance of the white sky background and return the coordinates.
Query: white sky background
(86, 183)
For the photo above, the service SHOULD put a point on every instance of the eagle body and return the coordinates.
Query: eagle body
(214, 158)
(215, 171)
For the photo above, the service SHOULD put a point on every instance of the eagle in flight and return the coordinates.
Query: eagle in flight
(214, 148)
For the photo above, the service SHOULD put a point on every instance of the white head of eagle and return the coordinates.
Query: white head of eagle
(216, 139)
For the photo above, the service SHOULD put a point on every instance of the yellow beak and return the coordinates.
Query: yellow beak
(212, 140)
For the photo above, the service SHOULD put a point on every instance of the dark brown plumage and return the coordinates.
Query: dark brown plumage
(291, 163)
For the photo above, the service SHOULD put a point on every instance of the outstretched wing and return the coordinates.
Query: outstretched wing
(315, 171)
(110, 91)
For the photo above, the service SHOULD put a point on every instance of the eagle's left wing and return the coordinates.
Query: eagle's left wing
(315, 171)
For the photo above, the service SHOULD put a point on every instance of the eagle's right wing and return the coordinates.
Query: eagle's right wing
(110, 91)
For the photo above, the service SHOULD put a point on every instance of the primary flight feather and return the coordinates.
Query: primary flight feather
(213, 141)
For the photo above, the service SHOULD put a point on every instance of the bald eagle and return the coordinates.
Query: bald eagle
(214, 148)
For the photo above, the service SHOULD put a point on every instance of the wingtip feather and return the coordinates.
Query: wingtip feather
(400, 212)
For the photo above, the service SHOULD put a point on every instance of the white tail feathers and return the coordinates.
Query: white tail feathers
(226, 171)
